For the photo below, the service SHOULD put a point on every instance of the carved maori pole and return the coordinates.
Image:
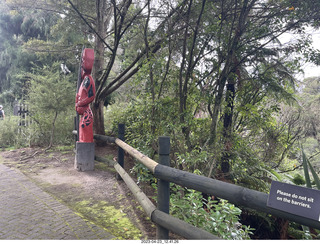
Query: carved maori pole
(85, 95)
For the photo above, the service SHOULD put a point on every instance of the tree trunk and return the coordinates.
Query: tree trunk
(52, 131)
(227, 127)
(102, 22)
(98, 122)
(216, 110)
(184, 76)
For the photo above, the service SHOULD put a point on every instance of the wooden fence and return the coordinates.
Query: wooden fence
(237, 195)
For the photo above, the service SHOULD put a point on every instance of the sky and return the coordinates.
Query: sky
(310, 69)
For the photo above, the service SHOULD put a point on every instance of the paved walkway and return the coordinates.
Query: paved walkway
(28, 213)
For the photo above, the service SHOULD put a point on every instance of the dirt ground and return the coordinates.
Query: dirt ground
(54, 172)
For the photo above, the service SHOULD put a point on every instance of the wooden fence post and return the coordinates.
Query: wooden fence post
(121, 132)
(163, 186)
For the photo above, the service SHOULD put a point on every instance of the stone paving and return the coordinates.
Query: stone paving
(28, 213)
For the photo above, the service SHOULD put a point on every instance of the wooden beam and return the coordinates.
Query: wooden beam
(180, 227)
(237, 195)
(146, 161)
(144, 201)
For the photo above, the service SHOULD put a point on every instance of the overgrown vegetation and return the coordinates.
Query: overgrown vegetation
(9, 135)
(220, 218)
(215, 76)
(50, 106)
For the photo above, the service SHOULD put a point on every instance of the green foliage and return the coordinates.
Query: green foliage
(219, 218)
(51, 106)
(11, 134)
(137, 118)
(306, 167)
(143, 127)
(40, 131)
(179, 85)
(299, 180)
(195, 159)
(143, 173)
(17, 27)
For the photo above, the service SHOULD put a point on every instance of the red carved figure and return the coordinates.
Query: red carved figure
(85, 96)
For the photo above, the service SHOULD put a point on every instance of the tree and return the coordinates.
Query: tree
(224, 57)
(16, 29)
(111, 24)
(49, 97)
(229, 53)
(127, 15)
(247, 50)
(309, 100)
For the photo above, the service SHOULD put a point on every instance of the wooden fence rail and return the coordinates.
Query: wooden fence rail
(161, 218)
(237, 195)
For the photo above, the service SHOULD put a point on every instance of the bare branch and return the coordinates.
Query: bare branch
(97, 34)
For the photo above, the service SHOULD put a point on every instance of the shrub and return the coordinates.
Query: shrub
(50, 105)
(219, 218)
(11, 134)
(41, 128)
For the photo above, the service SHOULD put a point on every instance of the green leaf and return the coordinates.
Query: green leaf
(305, 168)
(272, 172)
(314, 174)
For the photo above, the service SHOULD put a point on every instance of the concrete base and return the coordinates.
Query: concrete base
(84, 160)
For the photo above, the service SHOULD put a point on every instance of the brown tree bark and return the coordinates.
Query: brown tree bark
(102, 21)
(227, 127)
(98, 122)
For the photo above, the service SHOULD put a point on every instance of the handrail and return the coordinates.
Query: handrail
(238, 195)
(149, 163)
(165, 220)
(233, 193)
(145, 160)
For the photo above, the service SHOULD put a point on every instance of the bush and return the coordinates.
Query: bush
(35, 134)
(11, 134)
(50, 104)
(219, 218)
(41, 128)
